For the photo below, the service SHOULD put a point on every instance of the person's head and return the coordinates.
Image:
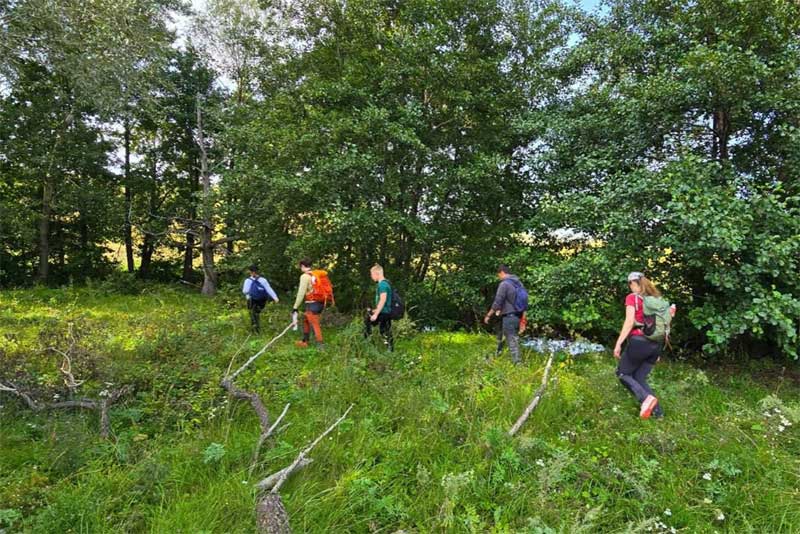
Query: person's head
(376, 273)
(503, 271)
(253, 270)
(305, 265)
(641, 285)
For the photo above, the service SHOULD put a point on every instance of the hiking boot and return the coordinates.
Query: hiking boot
(648, 405)
(301, 344)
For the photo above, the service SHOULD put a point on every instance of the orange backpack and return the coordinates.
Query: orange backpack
(321, 287)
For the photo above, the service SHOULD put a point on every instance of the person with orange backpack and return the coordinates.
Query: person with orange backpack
(315, 292)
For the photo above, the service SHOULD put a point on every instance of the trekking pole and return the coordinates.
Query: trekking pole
(259, 353)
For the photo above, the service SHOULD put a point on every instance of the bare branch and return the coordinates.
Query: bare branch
(535, 401)
(265, 435)
(276, 488)
(87, 404)
(225, 240)
(270, 481)
(257, 354)
(255, 402)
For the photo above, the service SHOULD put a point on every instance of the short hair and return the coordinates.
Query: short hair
(253, 268)
(503, 268)
(305, 262)
(377, 269)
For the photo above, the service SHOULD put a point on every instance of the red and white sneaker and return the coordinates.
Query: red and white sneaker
(648, 405)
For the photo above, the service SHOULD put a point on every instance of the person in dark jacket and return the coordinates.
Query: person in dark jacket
(504, 307)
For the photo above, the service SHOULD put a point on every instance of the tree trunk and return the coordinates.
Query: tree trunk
(188, 253)
(207, 233)
(128, 200)
(44, 228)
(147, 256)
(722, 131)
(188, 258)
(271, 516)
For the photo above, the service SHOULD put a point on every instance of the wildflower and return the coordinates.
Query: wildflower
(706, 476)
(707, 500)
(720, 516)
(781, 428)
(540, 462)
(667, 512)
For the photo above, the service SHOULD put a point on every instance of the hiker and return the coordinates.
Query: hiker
(510, 303)
(258, 293)
(642, 351)
(381, 314)
(314, 293)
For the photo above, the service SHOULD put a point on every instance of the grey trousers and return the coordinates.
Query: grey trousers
(509, 330)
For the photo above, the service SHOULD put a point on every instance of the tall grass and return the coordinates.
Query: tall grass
(425, 448)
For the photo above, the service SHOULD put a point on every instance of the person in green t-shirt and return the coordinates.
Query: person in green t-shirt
(381, 314)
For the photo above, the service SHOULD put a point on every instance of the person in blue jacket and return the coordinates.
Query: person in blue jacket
(258, 293)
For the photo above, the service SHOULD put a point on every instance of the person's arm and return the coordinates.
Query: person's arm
(379, 307)
(269, 289)
(246, 287)
(627, 326)
(497, 305)
(302, 290)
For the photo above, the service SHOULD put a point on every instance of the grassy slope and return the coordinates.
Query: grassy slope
(424, 449)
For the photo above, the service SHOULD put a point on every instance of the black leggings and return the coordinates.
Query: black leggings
(638, 359)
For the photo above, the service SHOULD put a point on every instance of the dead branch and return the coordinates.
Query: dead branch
(257, 354)
(66, 370)
(101, 405)
(253, 398)
(270, 481)
(21, 394)
(286, 472)
(535, 401)
(265, 435)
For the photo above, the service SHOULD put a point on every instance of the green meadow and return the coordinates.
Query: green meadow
(424, 449)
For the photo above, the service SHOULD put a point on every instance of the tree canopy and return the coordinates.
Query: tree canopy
(438, 138)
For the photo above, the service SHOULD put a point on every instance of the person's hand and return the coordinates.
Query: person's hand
(277, 300)
(672, 310)
(486, 320)
(373, 317)
(617, 351)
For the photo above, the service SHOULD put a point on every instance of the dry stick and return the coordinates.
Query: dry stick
(536, 398)
(264, 435)
(303, 454)
(269, 482)
(235, 354)
(257, 354)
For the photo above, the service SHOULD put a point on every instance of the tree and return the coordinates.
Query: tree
(96, 57)
(673, 155)
(394, 135)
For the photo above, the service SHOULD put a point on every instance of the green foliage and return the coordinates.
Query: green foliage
(425, 447)
(676, 156)
(393, 140)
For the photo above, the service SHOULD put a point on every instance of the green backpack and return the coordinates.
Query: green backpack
(657, 318)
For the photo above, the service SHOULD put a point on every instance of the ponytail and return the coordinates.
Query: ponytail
(648, 288)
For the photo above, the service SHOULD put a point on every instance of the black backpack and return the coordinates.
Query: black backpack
(397, 307)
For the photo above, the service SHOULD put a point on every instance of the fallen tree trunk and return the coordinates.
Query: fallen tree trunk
(534, 402)
(271, 516)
